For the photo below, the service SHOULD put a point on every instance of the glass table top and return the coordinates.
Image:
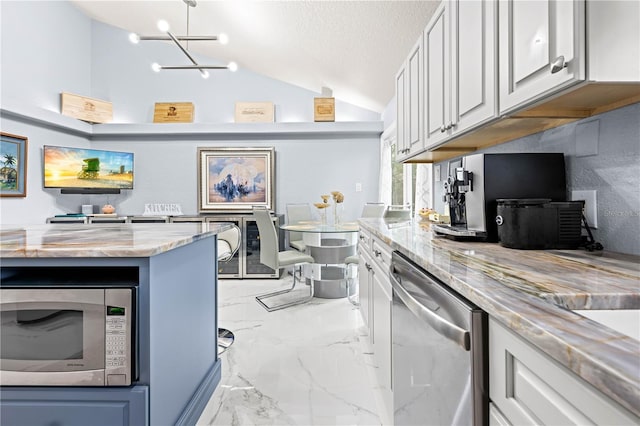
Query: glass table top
(314, 226)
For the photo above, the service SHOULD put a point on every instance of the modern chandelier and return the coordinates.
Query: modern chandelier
(164, 27)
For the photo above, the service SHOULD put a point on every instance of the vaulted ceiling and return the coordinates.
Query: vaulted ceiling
(354, 48)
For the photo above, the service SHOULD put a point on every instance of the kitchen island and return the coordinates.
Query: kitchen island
(533, 295)
(173, 267)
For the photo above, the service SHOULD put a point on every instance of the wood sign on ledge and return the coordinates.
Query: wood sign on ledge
(324, 109)
(86, 109)
(254, 112)
(173, 112)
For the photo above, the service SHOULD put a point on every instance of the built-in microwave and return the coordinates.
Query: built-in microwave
(72, 336)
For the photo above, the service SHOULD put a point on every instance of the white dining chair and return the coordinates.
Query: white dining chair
(271, 256)
(373, 210)
(397, 212)
(296, 213)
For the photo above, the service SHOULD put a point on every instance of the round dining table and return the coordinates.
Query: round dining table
(329, 245)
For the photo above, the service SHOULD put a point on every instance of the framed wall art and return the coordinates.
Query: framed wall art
(235, 179)
(13, 165)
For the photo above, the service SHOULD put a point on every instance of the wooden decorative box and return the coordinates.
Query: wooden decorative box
(86, 109)
(173, 112)
(324, 109)
(254, 112)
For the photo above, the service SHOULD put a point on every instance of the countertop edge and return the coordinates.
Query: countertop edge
(141, 250)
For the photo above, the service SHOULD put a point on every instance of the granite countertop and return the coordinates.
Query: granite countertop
(532, 292)
(101, 240)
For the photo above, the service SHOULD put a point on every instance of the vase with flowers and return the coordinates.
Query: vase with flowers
(323, 208)
(338, 199)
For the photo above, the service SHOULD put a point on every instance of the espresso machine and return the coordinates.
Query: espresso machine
(471, 190)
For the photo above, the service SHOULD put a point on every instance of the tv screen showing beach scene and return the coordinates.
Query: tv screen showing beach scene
(66, 167)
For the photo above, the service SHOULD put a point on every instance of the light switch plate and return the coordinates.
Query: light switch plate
(358, 187)
(590, 206)
(436, 173)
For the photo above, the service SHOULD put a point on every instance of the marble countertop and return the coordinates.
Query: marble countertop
(101, 240)
(532, 292)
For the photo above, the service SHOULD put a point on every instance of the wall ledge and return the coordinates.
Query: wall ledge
(209, 131)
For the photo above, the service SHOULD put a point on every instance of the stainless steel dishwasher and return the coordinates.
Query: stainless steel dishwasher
(439, 355)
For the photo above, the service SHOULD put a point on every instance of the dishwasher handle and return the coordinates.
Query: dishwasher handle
(458, 335)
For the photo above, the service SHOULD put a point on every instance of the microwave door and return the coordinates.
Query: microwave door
(54, 332)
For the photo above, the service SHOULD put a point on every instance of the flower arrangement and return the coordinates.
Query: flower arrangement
(322, 206)
(338, 198)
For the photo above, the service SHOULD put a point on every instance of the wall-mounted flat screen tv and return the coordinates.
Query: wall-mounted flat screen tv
(80, 170)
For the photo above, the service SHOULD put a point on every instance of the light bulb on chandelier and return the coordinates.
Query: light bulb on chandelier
(165, 28)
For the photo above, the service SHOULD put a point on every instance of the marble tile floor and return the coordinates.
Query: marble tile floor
(305, 365)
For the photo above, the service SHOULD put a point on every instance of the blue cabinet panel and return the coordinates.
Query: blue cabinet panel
(74, 406)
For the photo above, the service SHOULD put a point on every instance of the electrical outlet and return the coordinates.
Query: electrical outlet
(590, 205)
(358, 187)
(436, 173)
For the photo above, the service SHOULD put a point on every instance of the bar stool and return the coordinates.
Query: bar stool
(228, 245)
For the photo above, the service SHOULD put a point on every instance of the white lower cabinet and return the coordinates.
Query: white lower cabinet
(382, 338)
(527, 387)
(375, 307)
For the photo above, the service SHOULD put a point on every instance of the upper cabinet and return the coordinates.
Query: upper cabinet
(495, 71)
(460, 63)
(410, 93)
(437, 60)
(542, 49)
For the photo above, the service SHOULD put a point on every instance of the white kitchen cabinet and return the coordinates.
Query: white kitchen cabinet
(410, 79)
(528, 387)
(401, 112)
(375, 307)
(474, 64)
(364, 283)
(382, 303)
(437, 75)
(460, 63)
(541, 49)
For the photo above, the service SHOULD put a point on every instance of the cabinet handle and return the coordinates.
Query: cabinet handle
(366, 265)
(377, 253)
(443, 128)
(558, 64)
(361, 237)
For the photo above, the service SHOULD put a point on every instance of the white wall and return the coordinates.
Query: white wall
(59, 49)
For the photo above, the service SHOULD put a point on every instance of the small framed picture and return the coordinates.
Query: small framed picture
(235, 179)
(13, 165)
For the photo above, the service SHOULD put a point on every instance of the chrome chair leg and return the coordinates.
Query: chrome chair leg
(260, 297)
(351, 281)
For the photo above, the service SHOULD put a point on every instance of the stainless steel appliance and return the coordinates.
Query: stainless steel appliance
(73, 336)
(473, 186)
(439, 352)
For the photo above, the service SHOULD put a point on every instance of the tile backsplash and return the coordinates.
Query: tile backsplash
(602, 154)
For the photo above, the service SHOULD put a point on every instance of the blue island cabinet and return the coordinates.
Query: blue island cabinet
(74, 406)
(177, 362)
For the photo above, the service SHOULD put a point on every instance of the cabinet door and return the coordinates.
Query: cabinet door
(415, 99)
(530, 388)
(382, 302)
(364, 285)
(535, 35)
(401, 112)
(474, 68)
(437, 76)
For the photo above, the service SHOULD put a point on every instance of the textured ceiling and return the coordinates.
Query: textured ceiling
(353, 47)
